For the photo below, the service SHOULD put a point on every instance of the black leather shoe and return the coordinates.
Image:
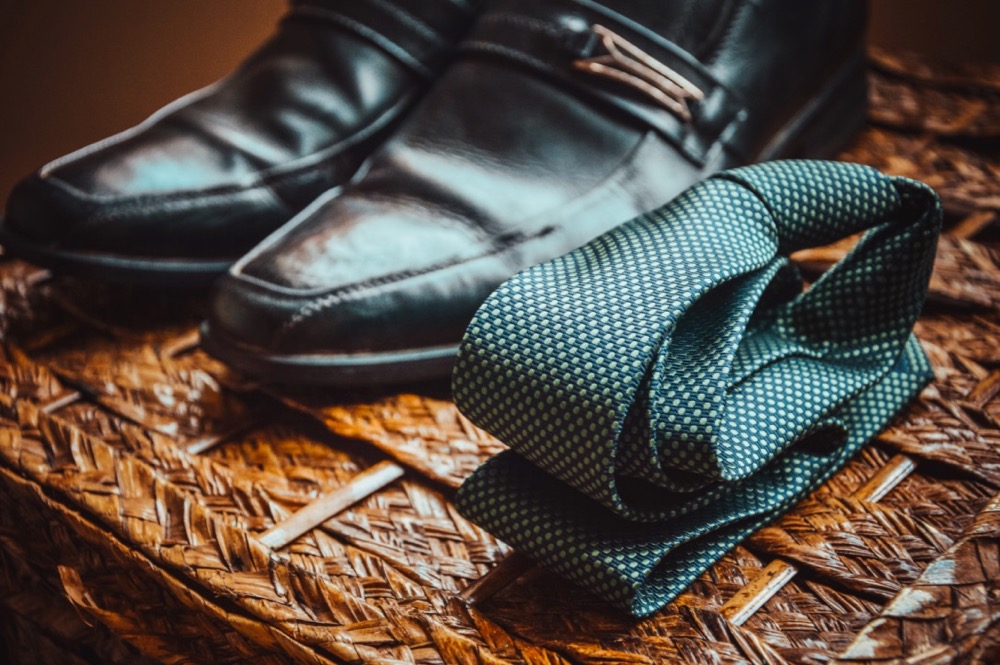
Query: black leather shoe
(180, 197)
(557, 121)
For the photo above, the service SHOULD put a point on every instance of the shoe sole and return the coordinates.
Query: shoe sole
(347, 370)
(115, 268)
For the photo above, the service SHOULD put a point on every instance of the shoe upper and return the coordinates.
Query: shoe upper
(213, 173)
(521, 152)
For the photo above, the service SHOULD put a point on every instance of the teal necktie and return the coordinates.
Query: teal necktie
(669, 388)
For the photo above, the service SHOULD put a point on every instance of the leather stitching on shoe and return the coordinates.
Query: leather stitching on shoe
(319, 305)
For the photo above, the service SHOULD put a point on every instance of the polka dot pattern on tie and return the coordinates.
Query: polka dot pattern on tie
(670, 387)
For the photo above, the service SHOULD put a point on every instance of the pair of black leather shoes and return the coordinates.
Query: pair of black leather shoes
(424, 151)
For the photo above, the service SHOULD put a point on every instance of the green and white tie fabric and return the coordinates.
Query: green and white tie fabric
(670, 387)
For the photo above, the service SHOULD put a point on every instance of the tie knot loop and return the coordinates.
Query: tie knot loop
(817, 203)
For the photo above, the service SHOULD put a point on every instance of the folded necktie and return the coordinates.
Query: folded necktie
(669, 388)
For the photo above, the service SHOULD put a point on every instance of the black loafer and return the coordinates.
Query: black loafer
(179, 198)
(557, 121)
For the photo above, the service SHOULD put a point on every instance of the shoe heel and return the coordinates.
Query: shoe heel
(829, 122)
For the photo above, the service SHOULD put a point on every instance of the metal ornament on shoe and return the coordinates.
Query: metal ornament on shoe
(627, 63)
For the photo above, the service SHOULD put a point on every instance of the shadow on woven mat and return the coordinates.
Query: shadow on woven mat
(139, 476)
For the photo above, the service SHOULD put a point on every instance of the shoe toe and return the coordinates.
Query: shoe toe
(359, 289)
(268, 319)
(45, 212)
(251, 314)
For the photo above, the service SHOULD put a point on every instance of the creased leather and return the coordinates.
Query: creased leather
(510, 161)
(213, 173)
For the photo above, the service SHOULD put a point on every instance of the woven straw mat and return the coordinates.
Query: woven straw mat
(143, 484)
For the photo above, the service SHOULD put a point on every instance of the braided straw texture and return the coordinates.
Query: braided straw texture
(138, 475)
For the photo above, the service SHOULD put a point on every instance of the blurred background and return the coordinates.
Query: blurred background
(72, 72)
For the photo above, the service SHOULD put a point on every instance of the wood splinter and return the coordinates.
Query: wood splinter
(181, 344)
(203, 444)
(361, 486)
(176, 347)
(500, 577)
(61, 402)
(769, 581)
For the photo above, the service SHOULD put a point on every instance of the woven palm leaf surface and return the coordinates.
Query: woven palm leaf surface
(143, 484)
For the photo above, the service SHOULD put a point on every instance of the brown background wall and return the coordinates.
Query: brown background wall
(74, 71)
